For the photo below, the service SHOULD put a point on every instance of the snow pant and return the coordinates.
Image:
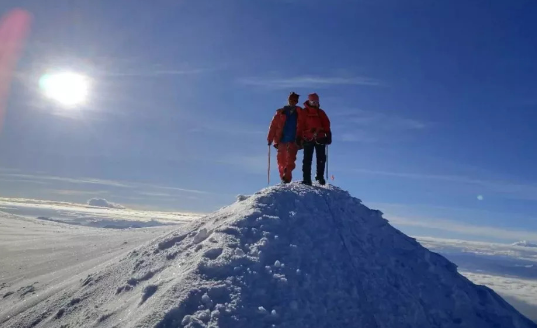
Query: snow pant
(286, 159)
(320, 150)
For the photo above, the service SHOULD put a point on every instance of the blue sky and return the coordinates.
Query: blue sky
(432, 103)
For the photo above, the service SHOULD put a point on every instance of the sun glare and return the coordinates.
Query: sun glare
(68, 88)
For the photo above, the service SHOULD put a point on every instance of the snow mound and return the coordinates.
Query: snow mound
(287, 256)
(524, 243)
(101, 202)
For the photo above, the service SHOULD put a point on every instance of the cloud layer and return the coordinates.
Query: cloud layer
(49, 179)
(66, 212)
(356, 125)
(101, 202)
(463, 228)
(508, 269)
(520, 293)
(308, 81)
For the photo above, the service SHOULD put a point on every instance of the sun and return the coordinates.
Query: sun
(68, 88)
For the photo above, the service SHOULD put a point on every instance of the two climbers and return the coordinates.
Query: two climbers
(293, 128)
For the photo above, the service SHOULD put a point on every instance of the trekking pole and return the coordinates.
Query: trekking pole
(268, 171)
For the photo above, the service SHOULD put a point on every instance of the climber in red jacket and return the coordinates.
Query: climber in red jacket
(284, 132)
(316, 134)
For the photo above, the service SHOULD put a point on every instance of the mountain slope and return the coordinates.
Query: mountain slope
(287, 256)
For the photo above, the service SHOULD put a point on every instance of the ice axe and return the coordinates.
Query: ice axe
(268, 170)
(326, 162)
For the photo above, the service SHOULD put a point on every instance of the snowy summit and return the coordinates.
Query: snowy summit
(287, 256)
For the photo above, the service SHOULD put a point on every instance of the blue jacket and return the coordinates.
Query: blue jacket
(289, 129)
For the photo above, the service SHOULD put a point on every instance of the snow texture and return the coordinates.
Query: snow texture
(287, 256)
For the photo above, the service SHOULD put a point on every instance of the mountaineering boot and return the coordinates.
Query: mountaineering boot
(321, 163)
(306, 182)
(321, 180)
(285, 177)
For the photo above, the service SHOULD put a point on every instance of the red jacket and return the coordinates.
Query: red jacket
(314, 123)
(277, 124)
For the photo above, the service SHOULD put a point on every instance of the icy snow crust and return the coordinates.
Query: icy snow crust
(287, 256)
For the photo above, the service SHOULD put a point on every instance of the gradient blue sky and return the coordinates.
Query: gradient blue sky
(432, 104)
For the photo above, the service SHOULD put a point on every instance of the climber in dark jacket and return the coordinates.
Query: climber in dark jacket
(316, 134)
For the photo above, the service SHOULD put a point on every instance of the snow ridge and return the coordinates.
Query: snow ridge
(287, 256)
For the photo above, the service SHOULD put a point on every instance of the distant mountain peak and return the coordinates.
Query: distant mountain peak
(524, 243)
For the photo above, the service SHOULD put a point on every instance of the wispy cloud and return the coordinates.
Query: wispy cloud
(155, 194)
(68, 180)
(48, 179)
(247, 163)
(193, 191)
(70, 192)
(308, 81)
(357, 136)
(354, 136)
(156, 72)
(23, 181)
(380, 120)
(408, 175)
(231, 129)
(356, 125)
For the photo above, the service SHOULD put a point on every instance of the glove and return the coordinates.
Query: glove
(299, 143)
(326, 139)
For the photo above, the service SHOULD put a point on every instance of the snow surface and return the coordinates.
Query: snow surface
(39, 258)
(287, 256)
